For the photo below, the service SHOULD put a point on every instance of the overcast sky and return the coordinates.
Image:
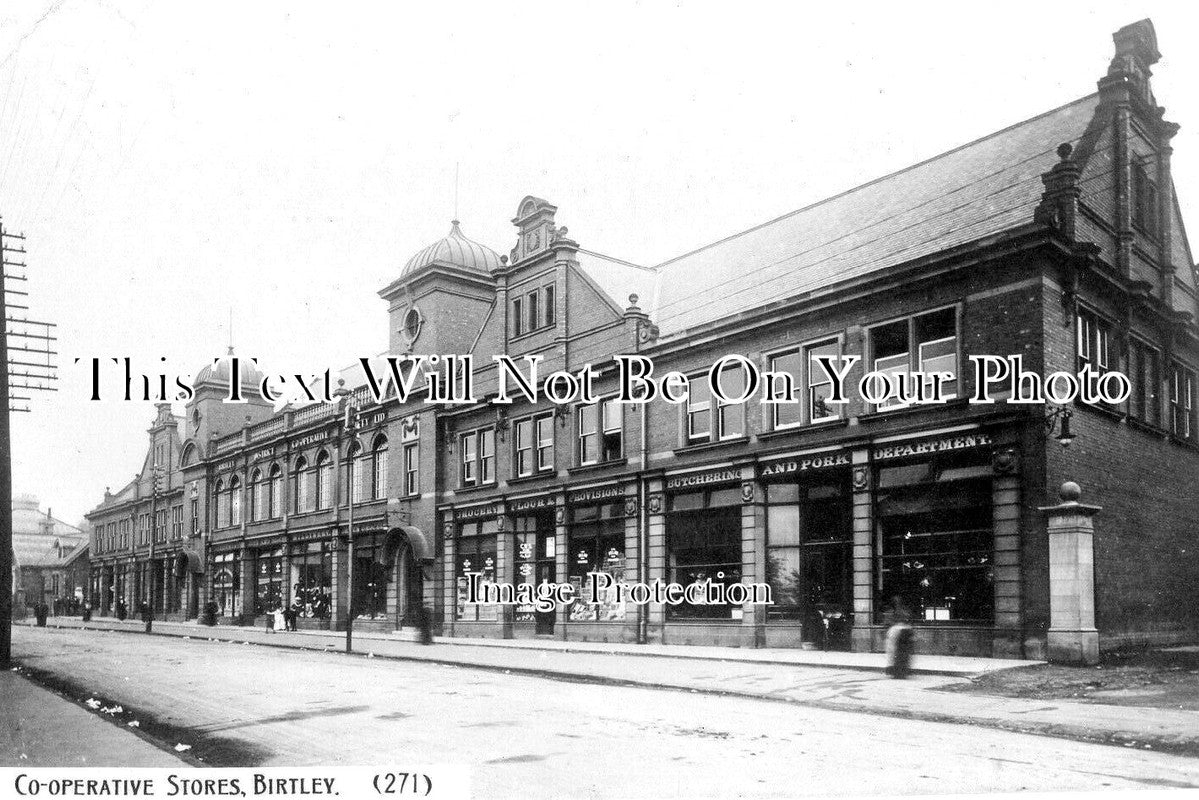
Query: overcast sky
(171, 165)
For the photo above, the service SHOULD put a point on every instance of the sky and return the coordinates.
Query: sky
(178, 166)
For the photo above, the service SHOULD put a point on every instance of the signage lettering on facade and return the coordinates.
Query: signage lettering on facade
(963, 442)
(311, 438)
(817, 461)
(531, 503)
(228, 463)
(266, 452)
(703, 479)
(475, 512)
(602, 493)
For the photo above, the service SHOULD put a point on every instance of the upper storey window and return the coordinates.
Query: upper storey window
(533, 310)
(1144, 199)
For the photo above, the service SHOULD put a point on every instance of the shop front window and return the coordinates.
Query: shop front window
(476, 552)
(371, 576)
(312, 574)
(268, 576)
(596, 544)
(935, 539)
(226, 584)
(703, 544)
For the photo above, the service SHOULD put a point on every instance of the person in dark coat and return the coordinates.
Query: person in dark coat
(900, 640)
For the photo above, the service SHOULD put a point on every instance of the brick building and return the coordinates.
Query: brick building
(49, 558)
(1058, 239)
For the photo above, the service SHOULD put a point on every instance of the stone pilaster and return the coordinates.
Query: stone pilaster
(753, 555)
(863, 552)
(1073, 638)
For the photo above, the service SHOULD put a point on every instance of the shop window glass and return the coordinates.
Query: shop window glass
(268, 576)
(935, 539)
(312, 574)
(476, 552)
(596, 543)
(371, 577)
(704, 545)
(226, 584)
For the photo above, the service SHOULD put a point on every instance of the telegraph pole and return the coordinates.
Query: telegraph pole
(33, 338)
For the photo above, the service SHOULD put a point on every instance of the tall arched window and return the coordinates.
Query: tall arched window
(222, 503)
(379, 478)
(359, 475)
(234, 500)
(257, 496)
(189, 455)
(324, 480)
(276, 491)
(303, 499)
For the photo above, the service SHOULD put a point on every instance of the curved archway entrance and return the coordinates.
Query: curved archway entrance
(389, 579)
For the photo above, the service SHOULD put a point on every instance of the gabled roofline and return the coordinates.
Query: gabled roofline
(877, 180)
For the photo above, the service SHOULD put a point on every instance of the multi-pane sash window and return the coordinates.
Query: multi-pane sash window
(1143, 372)
(235, 500)
(258, 489)
(177, 522)
(820, 383)
(304, 491)
(276, 490)
(1182, 402)
(612, 441)
(357, 464)
(1094, 338)
(548, 293)
(709, 418)
(699, 410)
(478, 457)
(518, 317)
(926, 343)
(379, 478)
(1144, 199)
(600, 432)
(469, 449)
(222, 505)
(324, 480)
(544, 431)
(524, 448)
(412, 468)
(533, 308)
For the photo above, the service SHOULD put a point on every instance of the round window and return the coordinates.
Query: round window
(412, 323)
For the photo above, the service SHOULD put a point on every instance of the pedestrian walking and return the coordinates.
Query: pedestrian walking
(147, 615)
(280, 618)
(900, 640)
(424, 624)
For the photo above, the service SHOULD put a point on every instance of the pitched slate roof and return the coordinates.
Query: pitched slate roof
(978, 189)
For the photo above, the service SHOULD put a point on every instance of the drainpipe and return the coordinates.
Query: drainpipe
(643, 528)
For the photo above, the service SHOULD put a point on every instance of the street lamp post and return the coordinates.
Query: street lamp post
(344, 394)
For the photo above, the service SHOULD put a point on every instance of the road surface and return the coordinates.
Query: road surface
(248, 705)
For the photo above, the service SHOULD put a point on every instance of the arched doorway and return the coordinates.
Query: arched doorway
(407, 554)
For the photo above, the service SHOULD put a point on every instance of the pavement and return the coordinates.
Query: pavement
(835, 681)
(39, 728)
(237, 703)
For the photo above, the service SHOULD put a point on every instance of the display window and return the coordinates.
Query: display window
(703, 544)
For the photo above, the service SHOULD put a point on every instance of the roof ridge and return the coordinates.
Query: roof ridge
(618, 260)
(879, 179)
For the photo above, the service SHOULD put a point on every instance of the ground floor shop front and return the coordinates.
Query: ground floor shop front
(846, 538)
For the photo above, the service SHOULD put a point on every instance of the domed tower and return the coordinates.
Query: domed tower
(208, 413)
(441, 297)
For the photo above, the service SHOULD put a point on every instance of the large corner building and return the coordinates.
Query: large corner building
(1058, 239)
